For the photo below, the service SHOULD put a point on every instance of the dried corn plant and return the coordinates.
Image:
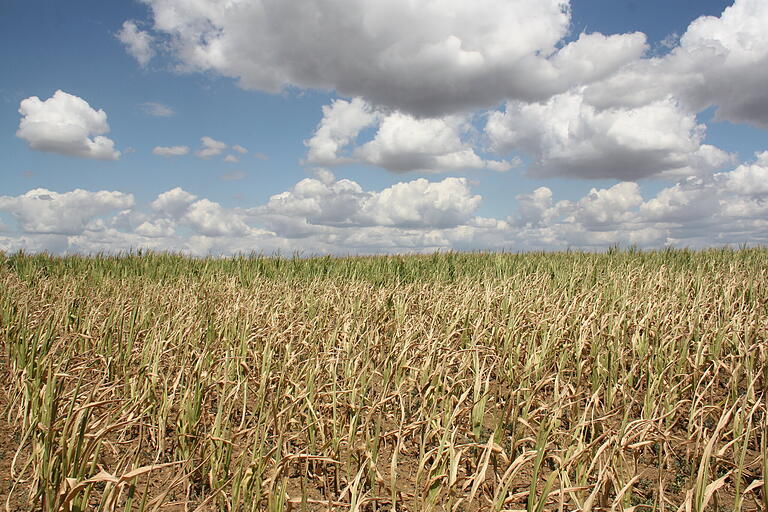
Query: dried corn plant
(572, 381)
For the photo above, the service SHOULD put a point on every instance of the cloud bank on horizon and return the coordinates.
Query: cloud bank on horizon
(326, 215)
(433, 87)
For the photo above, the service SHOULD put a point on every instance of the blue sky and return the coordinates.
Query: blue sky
(514, 125)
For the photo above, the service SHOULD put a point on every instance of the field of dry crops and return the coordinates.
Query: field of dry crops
(620, 381)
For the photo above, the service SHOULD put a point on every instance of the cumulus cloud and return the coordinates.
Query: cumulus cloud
(421, 203)
(567, 136)
(240, 149)
(156, 228)
(602, 217)
(170, 150)
(325, 214)
(173, 203)
(43, 211)
(314, 204)
(205, 217)
(723, 208)
(414, 74)
(401, 143)
(535, 209)
(210, 219)
(341, 123)
(682, 203)
(404, 143)
(608, 208)
(210, 147)
(315, 207)
(750, 179)
(424, 58)
(311, 206)
(65, 124)
(138, 43)
(232, 159)
(719, 61)
(730, 53)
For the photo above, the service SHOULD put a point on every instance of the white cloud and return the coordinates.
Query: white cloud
(719, 61)
(324, 175)
(43, 211)
(170, 150)
(65, 124)
(425, 58)
(672, 40)
(595, 107)
(313, 205)
(210, 219)
(601, 218)
(589, 58)
(401, 143)
(205, 217)
(156, 228)
(341, 123)
(138, 43)
(210, 147)
(329, 215)
(421, 203)
(682, 203)
(404, 143)
(173, 203)
(535, 209)
(725, 208)
(750, 179)
(157, 109)
(569, 137)
(606, 208)
(414, 73)
(730, 55)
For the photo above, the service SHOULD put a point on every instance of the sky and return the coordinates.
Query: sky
(216, 127)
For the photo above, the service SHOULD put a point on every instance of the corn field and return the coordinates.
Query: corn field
(622, 381)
